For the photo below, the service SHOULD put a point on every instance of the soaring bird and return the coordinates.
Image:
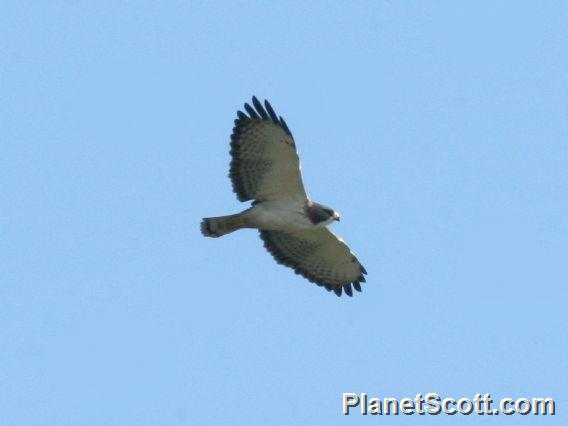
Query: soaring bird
(265, 168)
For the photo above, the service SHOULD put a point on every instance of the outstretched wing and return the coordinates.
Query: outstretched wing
(318, 255)
(265, 164)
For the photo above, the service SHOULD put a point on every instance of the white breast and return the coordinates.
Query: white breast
(279, 216)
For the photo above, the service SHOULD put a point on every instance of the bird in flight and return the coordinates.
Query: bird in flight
(265, 168)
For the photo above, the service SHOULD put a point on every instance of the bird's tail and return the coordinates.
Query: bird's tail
(217, 226)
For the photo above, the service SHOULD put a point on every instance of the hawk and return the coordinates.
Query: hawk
(265, 168)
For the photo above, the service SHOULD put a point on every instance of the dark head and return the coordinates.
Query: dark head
(320, 214)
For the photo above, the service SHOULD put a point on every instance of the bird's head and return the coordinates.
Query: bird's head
(321, 215)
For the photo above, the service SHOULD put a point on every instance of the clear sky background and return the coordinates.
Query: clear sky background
(438, 129)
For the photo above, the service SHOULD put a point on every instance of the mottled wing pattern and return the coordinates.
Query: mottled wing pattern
(318, 255)
(264, 164)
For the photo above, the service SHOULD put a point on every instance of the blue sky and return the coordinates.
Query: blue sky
(438, 129)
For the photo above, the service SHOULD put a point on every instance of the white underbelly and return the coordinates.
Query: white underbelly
(279, 216)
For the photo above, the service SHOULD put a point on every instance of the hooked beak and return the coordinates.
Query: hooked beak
(336, 216)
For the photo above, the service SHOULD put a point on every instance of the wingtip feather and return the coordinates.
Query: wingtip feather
(259, 108)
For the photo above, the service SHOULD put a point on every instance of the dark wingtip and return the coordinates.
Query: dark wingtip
(347, 289)
(257, 111)
(251, 111)
(285, 127)
(259, 107)
(271, 112)
(363, 270)
(337, 290)
(357, 286)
